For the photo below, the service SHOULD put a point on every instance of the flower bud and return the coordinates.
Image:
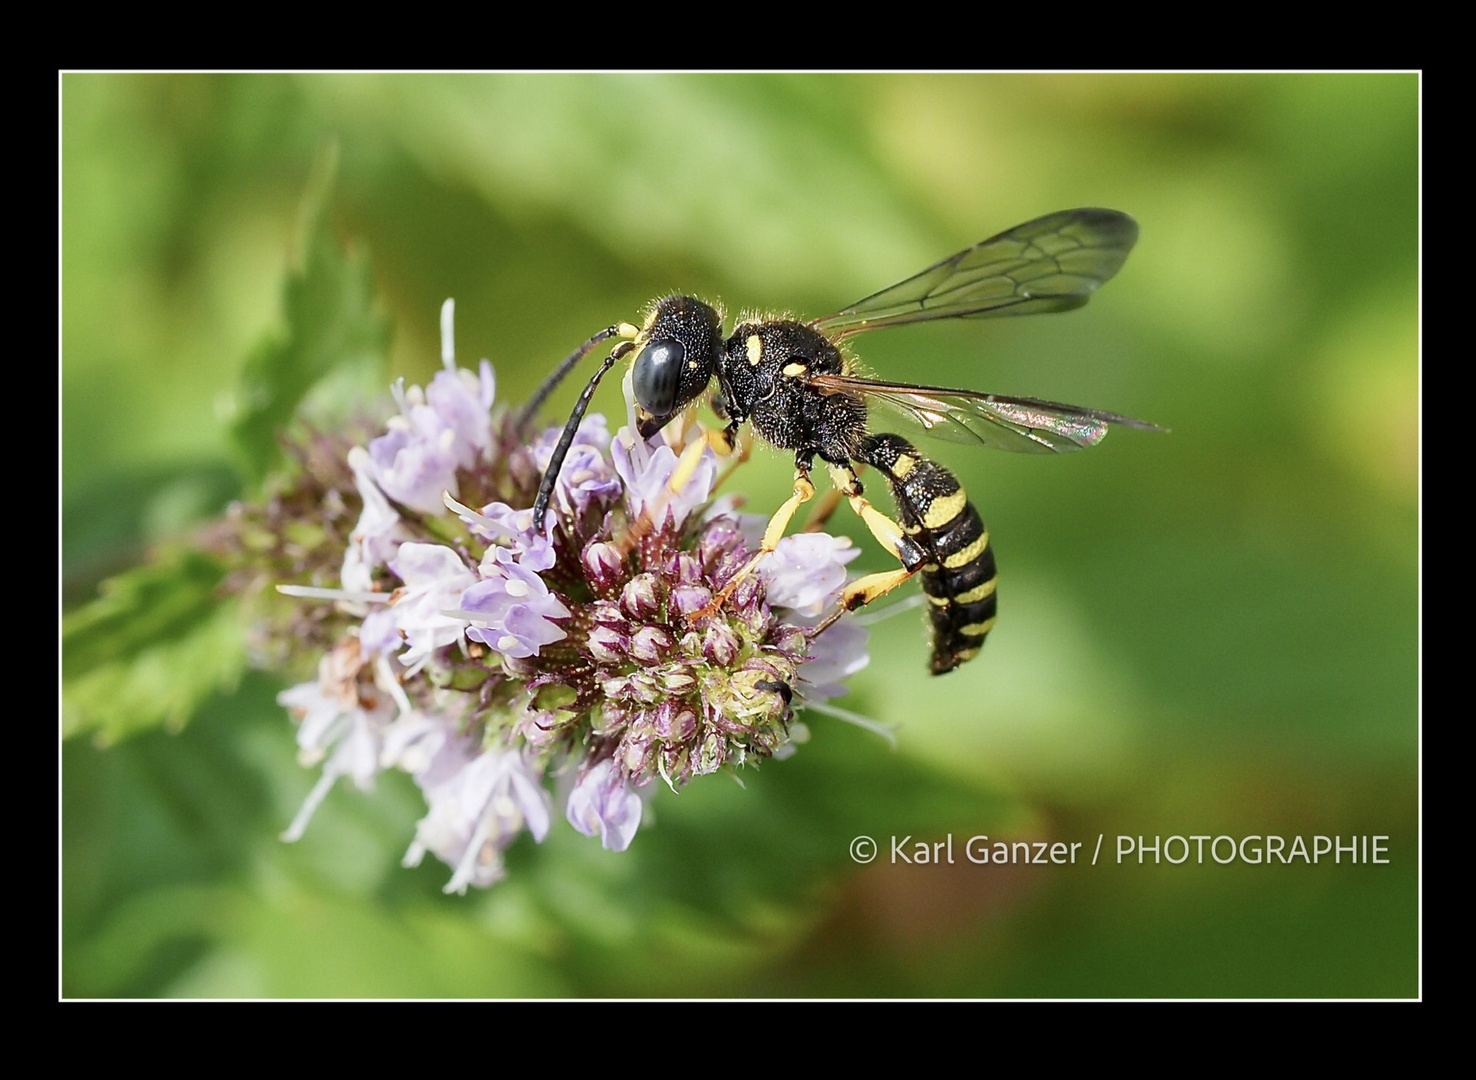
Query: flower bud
(720, 645)
(635, 754)
(641, 598)
(711, 755)
(687, 600)
(674, 721)
(604, 566)
(607, 645)
(688, 570)
(650, 644)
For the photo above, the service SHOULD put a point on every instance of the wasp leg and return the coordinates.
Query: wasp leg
(863, 591)
(729, 441)
(888, 533)
(804, 491)
(725, 440)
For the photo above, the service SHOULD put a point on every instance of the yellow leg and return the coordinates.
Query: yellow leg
(863, 591)
(804, 491)
(724, 441)
(888, 533)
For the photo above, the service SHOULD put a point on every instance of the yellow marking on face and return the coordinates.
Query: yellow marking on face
(794, 371)
(938, 601)
(691, 365)
(973, 596)
(626, 330)
(904, 465)
(945, 508)
(977, 629)
(755, 346)
(968, 554)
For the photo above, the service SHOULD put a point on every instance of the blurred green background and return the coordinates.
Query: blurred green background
(1208, 632)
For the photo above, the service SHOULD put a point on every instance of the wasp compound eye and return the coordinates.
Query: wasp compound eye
(658, 375)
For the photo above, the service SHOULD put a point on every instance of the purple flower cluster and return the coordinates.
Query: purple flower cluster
(486, 653)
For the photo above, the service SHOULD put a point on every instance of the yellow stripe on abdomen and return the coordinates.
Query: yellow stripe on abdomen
(973, 596)
(968, 554)
(944, 509)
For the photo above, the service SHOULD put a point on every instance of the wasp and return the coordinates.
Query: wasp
(796, 384)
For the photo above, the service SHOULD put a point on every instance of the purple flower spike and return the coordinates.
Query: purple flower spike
(480, 651)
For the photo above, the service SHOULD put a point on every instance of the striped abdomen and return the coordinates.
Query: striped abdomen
(959, 576)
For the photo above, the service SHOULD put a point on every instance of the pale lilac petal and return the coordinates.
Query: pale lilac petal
(835, 656)
(434, 577)
(604, 804)
(380, 633)
(585, 476)
(476, 811)
(459, 402)
(646, 471)
(341, 725)
(415, 468)
(379, 531)
(807, 571)
(498, 521)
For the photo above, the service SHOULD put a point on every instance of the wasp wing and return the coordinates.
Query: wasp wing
(1024, 425)
(1053, 263)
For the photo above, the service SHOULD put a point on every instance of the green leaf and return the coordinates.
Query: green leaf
(150, 649)
(331, 324)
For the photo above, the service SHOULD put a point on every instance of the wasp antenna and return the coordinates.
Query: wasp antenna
(558, 375)
(566, 440)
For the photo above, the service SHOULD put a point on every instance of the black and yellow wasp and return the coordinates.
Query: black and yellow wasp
(794, 383)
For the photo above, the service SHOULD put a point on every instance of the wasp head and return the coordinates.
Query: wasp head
(678, 350)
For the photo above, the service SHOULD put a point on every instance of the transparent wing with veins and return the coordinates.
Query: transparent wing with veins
(1023, 425)
(1053, 263)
